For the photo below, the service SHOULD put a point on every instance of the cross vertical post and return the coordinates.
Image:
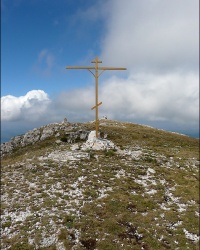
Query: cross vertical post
(96, 75)
(96, 94)
(97, 107)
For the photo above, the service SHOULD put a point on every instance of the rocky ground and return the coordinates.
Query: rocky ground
(134, 188)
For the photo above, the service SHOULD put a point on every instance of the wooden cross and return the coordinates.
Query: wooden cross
(96, 75)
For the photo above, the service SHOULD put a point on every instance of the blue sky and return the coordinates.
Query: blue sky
(158, 42)
(59, 30)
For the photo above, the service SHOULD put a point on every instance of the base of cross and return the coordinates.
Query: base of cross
(95, 143)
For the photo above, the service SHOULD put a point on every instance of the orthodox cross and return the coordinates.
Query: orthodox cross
(96, 75)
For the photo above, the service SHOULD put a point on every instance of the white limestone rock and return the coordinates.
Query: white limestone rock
(31, 137)
(49, 130)
(75, 147)
(64, 156)
(97, 143)
(39, 134)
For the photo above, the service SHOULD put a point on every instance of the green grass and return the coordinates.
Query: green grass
(110, 207)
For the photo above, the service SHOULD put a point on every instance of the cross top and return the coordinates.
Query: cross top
(96, 60)
(96, 75)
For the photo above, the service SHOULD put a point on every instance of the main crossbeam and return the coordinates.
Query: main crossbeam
(96, 75)
(100, 68)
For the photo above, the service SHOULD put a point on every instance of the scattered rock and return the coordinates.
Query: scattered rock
(75, 147)
(63, 156)
(58, 141)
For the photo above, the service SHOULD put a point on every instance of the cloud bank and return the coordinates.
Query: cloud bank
(155, 98)
(170, 99)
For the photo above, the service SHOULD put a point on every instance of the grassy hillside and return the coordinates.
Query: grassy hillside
(144, 195)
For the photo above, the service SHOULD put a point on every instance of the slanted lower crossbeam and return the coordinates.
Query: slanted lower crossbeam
(96, 74)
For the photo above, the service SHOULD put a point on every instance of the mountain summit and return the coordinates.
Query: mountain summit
(135, 187)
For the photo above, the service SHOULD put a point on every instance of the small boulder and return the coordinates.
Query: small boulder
(97, 143)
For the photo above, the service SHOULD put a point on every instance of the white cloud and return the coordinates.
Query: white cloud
(152, 35)
(44, 63)
(158, 42)
(170, 97)
(29, 107)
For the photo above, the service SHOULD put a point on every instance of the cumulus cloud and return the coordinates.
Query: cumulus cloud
(29, 107)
